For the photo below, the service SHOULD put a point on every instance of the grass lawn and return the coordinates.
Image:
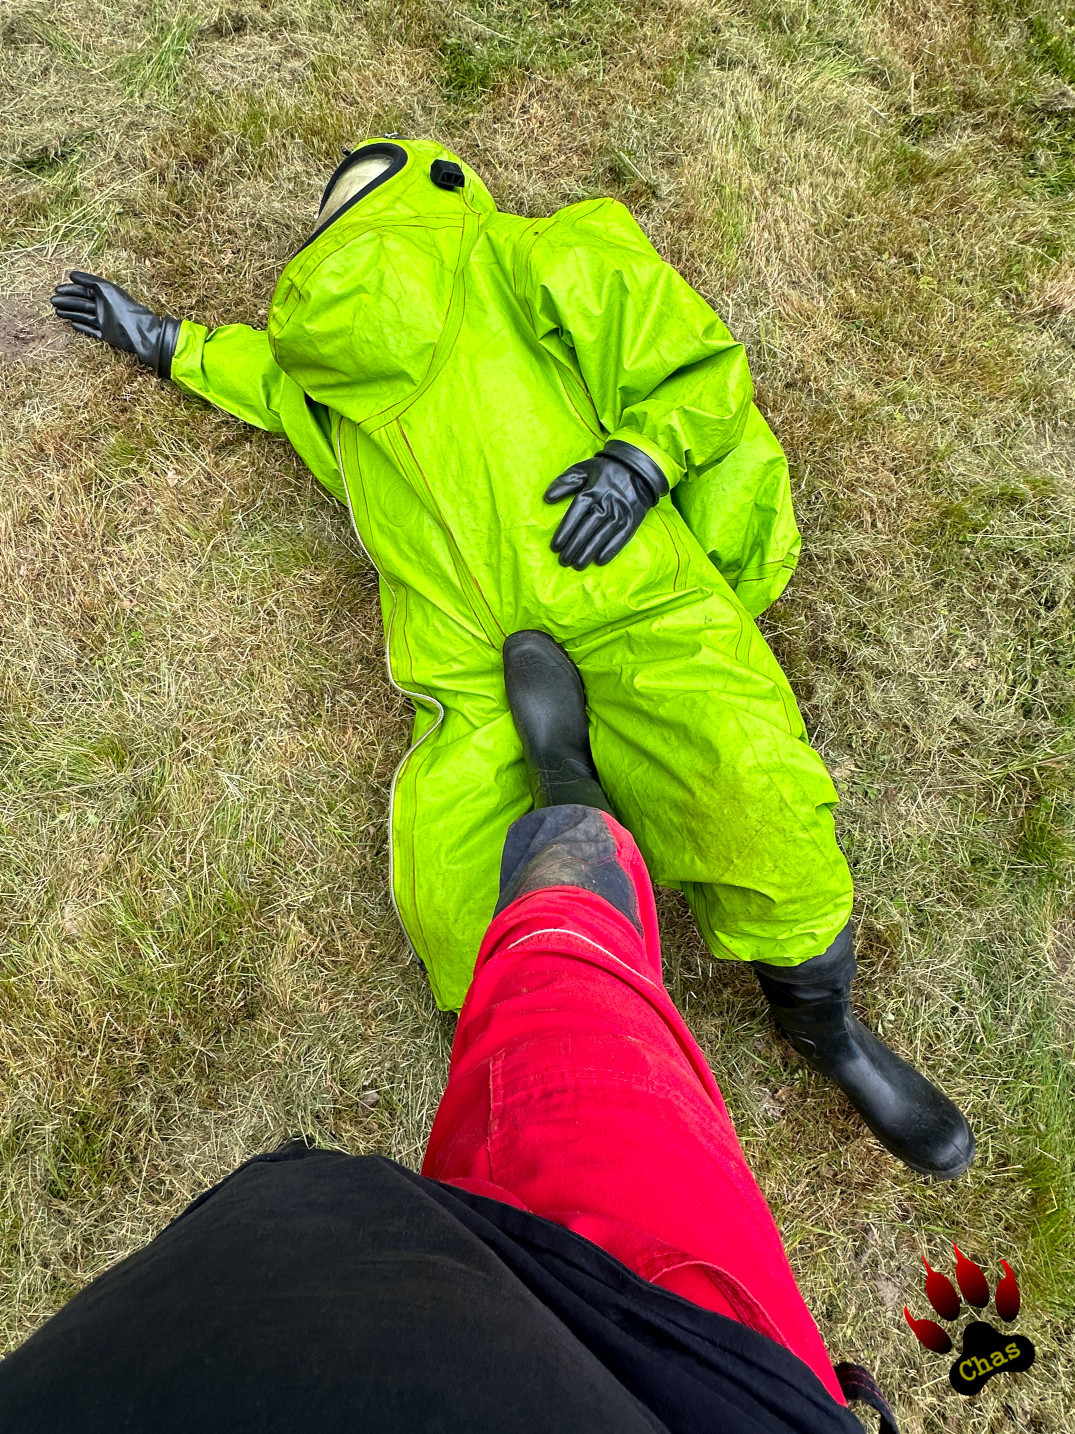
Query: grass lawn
(198, 954)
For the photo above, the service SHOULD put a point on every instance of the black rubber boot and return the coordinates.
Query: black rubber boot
(907, 1113)
(548, 704)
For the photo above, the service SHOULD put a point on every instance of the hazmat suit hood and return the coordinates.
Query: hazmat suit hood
(364, 315)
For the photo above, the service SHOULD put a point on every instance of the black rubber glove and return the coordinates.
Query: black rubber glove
(614, 491)
(97, 307)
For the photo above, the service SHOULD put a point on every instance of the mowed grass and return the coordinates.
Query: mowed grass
(198, 955)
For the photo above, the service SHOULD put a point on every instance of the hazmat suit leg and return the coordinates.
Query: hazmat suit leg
(720, 786)
(441, 790)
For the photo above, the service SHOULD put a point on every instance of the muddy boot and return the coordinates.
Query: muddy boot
(548, 704)
(908, 1114)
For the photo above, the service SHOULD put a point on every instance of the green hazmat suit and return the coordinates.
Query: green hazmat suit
(437, 363)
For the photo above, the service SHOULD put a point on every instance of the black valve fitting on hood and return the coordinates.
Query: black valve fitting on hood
(446, 174)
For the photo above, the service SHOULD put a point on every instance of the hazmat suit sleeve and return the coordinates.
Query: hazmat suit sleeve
(742, 513)
(665, 374)
(234, 368)
(661, 369)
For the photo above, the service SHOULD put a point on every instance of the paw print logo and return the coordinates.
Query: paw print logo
(986, 1350)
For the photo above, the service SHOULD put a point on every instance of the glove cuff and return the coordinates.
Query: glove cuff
(642, 466)
(166, 346)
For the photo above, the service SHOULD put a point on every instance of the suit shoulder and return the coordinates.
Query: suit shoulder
(603, 223)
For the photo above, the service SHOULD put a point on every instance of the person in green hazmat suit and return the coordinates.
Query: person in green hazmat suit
(453, 374)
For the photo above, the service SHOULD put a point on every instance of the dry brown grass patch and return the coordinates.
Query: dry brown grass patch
(197, 952)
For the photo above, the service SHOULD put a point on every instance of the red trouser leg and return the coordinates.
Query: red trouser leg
(577, 1092)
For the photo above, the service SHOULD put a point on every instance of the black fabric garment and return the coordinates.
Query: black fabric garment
(319, 1293)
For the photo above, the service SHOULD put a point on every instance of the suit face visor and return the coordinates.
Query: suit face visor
(362, 171)
(350, 184)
